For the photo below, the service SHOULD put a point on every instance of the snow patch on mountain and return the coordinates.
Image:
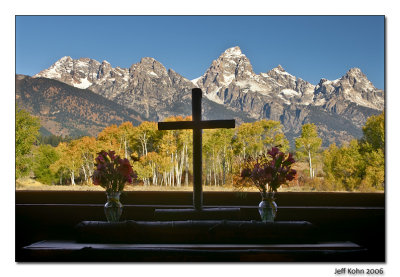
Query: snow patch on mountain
(290, 93)
(84, 84)
(194, 81)
(52, 73)
(251, 85)
(227, 79)
(153, 74)
(214, 97)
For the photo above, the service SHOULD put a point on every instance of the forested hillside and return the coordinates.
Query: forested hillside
(67, 111)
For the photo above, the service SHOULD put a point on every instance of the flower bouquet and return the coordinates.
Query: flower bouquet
(268, 173)
(112, 173)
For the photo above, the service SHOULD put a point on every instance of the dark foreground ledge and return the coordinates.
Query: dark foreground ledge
(202, 231)
(194, 241)
(71, 251)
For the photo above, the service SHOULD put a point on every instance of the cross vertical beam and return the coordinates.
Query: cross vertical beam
(197, 149)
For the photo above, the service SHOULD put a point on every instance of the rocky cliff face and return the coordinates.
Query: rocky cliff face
(145, 86)
(352, 96)
(280, 96)
(231, 87)
(232, 73)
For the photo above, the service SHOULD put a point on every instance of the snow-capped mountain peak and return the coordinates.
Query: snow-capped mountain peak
(79, 73)
(231, 71)
(354, 87)
(65, 58)
(233, 52)
(232, 66)
(279, 68)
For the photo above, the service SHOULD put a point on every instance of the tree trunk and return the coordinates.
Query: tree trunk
(145, 144)
(223, 166)
(165, 178)
(311, 169)
(177, 170)
(171, 172)
(84, 173)
(186, 167)
(153, 168)
(180, 168)
(72, 178)
(90, 172)
(172, 177)
(142, 143)
(125, 148)
(215, 176)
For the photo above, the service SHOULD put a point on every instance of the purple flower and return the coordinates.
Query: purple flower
(273, 152)
(100, 159)
(112, 172)
(111, 154)
(290, 159)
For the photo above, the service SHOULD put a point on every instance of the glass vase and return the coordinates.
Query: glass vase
(267, 207)
(113, 207)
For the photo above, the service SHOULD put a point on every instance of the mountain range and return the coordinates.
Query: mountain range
(231, 89)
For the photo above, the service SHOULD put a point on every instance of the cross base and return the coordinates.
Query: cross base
(195, 214)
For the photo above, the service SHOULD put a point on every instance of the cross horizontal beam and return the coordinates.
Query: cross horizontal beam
(204, 124)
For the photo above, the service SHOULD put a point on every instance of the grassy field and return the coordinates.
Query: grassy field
(31, 184)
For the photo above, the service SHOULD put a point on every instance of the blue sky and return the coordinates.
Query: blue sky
(309, 47)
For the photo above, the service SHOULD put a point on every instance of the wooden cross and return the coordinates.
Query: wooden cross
(197, 125)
